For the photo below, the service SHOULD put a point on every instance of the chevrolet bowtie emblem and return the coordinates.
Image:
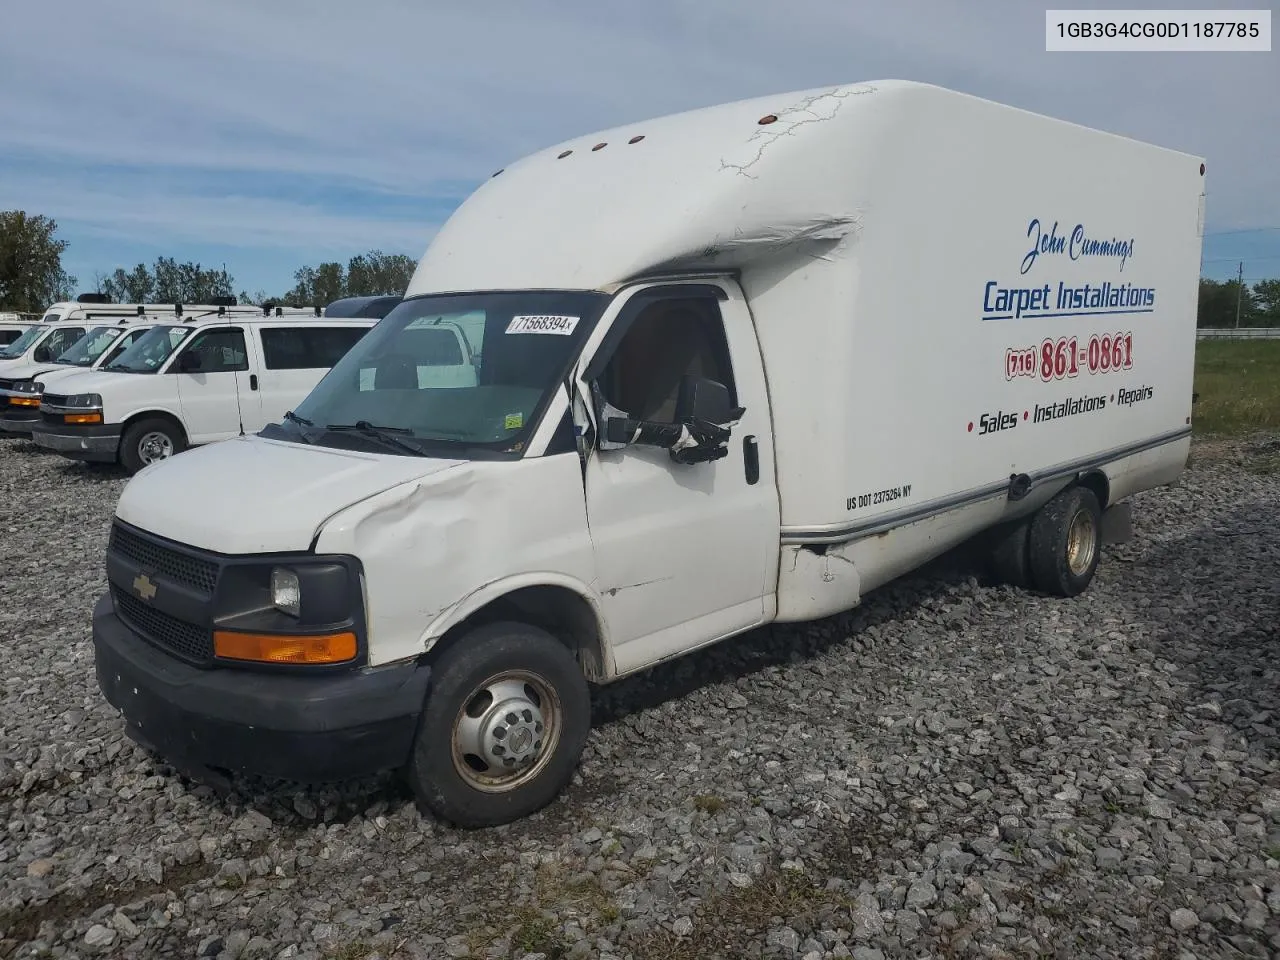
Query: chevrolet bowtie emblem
(146, 589)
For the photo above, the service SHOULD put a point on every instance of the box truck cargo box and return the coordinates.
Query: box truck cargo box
(649, 389)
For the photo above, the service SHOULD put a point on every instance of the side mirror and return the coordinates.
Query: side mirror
(42, 355)
(189, 362)
(704, 400)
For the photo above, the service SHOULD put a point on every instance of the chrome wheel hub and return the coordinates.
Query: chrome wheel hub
(154, 446)
(1082, 542)
(506, 731)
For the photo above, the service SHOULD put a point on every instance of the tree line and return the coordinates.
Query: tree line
(32, 277)
(1256, 305)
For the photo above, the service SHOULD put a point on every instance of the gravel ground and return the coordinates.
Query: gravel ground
(953, 770)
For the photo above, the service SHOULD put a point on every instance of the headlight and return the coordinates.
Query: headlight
(26, 386)
(286, 591)
(87, 401)
(300, 610)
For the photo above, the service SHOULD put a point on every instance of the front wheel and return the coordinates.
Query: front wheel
(503, 727)
(148, 441)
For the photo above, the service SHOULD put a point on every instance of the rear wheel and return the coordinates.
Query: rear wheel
(149, 441)
(1066, 543)
(503, 727)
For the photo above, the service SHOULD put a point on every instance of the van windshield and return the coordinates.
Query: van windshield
(88, 348)
(451, 371)
(19, 346)
(148, 353)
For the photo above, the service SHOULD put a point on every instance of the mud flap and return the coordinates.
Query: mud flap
(1117, 524)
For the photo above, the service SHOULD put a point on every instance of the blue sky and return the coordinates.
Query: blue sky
(268, 134)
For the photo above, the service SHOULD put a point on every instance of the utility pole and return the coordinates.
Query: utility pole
(1239, 293)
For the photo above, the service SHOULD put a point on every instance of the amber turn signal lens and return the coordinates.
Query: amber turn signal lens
(284, 648)
(82, 418)
(24, 401)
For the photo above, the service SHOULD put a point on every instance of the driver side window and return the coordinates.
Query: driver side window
(668, 340)
(220, 351)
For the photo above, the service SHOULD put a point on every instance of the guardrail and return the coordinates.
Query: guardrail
(1238, 333)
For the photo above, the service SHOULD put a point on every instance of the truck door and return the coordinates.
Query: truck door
(685, 553)
(212, 376)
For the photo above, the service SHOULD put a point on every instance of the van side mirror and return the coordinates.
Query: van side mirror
(189, 362)
(705, 401)
(42, 354)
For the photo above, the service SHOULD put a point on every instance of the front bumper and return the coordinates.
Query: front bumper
(305, 728)
(98, 442)
(17, 421)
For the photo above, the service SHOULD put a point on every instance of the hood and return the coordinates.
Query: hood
(30, 371)
(89, 381)
(252, 495)
(60, 373)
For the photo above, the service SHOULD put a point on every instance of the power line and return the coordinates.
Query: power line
(1225, 233)
(1237, 259)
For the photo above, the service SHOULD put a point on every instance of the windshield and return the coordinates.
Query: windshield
(50, 318)
(119, 346)
(19, 346)
(89, 347)
(148, 353)
(454, 371)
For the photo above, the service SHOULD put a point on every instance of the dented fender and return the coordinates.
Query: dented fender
(431, 545)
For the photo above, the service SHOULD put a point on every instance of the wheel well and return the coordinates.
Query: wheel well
(1097, 482)
(558, 610)
(154, 415)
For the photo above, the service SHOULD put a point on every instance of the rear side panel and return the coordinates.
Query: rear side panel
(1020, 298)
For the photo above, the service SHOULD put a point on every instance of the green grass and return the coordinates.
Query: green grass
(1239, 386)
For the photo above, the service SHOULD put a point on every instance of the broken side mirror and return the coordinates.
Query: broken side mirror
(706, 401)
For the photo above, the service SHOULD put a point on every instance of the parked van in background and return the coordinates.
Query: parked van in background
(370, 307)
(21, 386)
(12, 327)
(95, 308)
(190, 383)
(732, 367)
(40, 343)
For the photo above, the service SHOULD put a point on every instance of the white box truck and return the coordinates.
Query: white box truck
(649, 389)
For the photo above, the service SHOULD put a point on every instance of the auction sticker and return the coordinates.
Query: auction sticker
(562, 326)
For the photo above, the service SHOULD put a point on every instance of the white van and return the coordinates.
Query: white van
(12, 326)
(40, 343)
(189, 383)
(731, 367)
(21, 386)
(97, 308)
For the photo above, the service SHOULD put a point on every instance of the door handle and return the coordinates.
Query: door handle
(253, 381)
(751, 459)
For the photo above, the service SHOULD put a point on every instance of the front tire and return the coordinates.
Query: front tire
(149, 441)
(503, 727)
(1066, 542)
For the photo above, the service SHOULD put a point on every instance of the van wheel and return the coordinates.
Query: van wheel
(1065, 543)
(148, 441)
(505, 721)
(1010, 554)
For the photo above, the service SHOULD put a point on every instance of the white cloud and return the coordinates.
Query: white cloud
(412, 98)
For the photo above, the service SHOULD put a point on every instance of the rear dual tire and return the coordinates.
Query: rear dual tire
(1056, 550)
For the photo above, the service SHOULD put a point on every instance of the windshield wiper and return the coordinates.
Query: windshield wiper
(386, 435)
(290, 415)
